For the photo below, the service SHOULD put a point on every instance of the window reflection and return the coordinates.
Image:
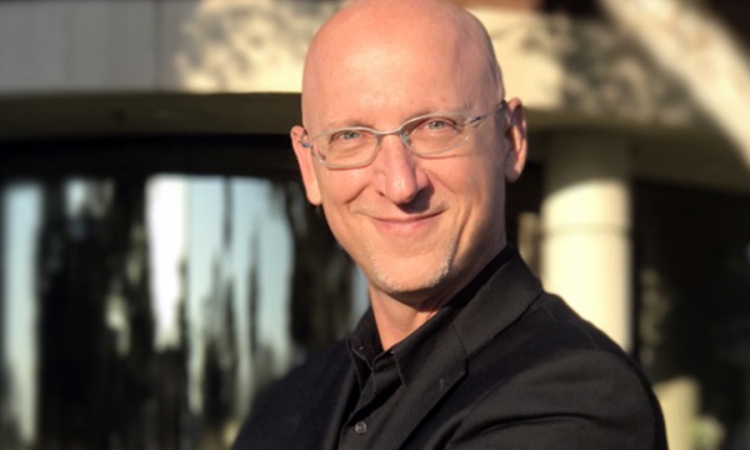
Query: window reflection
(147, 313)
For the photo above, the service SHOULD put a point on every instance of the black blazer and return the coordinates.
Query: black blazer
(518, 370)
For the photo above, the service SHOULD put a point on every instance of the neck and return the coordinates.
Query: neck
(397, 319)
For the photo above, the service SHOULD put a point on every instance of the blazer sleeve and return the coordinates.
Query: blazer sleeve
(586, 400)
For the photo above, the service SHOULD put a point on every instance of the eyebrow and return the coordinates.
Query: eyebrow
(352, 123)
(348, 123)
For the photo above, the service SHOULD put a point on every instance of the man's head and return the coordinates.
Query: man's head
(420, 227)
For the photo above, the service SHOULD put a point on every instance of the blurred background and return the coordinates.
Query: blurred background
(159, 264)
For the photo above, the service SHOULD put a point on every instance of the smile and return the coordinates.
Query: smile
(407, 226)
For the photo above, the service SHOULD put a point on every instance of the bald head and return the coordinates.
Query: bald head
(369, 39)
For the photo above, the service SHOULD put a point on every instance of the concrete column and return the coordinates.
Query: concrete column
(680, 403)
(586, 229)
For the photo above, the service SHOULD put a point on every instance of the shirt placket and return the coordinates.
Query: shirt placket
(380, 386)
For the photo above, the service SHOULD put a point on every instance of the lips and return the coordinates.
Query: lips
(410, 226)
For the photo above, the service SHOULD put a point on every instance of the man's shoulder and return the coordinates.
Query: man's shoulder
(550, 320)
(552, 338)
(278, 412)
(320, 364)
(552, 365)
(306, 380)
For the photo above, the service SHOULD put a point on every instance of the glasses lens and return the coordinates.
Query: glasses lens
(347, 147)
(437, 134)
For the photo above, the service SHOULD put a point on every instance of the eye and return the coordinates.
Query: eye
(346, 135)
(438, 124)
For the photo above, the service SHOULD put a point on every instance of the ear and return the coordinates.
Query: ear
(515, 159)
(305, 161)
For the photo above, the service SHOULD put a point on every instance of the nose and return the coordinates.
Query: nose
(400, 177)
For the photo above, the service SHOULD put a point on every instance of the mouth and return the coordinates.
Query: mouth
(408, 226)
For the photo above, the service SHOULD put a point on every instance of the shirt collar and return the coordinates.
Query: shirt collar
(364, 346)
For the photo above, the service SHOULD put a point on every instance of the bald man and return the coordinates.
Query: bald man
(407, 143)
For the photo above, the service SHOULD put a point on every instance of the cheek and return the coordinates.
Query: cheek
(479, 187)
(339, 187)
(478, 180)
(341, 192)
(486, 217)
(490, 171)
(342, 201)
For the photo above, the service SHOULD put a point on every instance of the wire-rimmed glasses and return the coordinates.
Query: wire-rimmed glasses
(427, 135)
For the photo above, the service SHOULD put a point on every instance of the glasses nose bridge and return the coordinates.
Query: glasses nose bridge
(401, 132)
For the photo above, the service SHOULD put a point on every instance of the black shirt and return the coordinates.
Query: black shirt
(383, 376)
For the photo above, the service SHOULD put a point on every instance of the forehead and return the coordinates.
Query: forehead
(365, 74)
(395, 83)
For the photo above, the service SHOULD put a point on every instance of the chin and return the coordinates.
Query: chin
(408, 277)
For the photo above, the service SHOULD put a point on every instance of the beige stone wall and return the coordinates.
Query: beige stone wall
(578, 69)
(173, 45)
(62, 46)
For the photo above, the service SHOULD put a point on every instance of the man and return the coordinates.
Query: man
(407, 144)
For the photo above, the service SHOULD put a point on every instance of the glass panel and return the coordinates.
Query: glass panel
(147, 313)
(693, 286)
(22, 203)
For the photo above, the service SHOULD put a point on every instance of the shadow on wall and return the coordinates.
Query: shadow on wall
(241, 46)
(606, 74)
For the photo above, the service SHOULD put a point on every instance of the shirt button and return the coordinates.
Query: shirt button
(360, 428)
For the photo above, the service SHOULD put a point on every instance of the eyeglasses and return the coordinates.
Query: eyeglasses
(428, 135)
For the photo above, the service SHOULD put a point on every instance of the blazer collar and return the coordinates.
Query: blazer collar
(507, 294)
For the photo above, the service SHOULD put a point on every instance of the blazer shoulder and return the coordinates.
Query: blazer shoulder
(283, 410)
(306, 380)
(562, 383)
(549, 329)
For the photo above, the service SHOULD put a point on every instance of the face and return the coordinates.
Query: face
(419, 228)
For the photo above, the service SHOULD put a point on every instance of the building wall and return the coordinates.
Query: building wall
(554, 63)
(570, 73)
